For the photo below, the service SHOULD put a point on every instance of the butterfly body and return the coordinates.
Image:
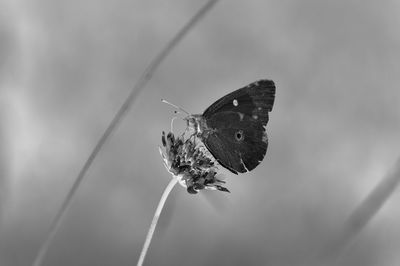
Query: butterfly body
(233, 128)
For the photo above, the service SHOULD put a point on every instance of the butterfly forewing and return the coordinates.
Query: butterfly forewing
(256, 98)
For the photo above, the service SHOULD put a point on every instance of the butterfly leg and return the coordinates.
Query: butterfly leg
(172, 123)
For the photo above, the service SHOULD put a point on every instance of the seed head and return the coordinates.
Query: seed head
(190, 163)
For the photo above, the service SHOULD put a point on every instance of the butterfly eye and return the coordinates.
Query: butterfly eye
(239, 135)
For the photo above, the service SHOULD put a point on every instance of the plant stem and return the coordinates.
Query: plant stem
(361, 216)
(153, 225)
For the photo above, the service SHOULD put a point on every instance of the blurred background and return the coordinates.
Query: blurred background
(67, 66)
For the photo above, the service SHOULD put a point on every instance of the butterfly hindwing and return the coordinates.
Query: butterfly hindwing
(238, 145)
(236, 126)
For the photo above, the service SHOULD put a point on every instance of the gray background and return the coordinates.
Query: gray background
(66, 67)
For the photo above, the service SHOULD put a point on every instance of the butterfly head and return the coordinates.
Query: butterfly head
(194, 124)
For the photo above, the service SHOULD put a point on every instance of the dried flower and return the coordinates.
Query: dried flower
(190, 163)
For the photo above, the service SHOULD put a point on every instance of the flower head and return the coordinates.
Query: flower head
(190, 163)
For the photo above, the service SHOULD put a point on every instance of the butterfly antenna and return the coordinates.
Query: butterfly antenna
(177, 107)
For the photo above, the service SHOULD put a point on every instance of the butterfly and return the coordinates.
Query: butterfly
(233, 128)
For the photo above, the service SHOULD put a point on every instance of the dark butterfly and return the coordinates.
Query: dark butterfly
(234, 128)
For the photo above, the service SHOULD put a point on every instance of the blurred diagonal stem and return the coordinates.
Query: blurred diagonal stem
(137, 88)
(150, 233)
(362, 214)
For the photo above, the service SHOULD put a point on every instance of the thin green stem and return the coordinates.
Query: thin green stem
(153, 224)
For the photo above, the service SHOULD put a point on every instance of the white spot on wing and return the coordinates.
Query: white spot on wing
(259, 108)
(241, 116)
(255, 117)
(235, 102)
